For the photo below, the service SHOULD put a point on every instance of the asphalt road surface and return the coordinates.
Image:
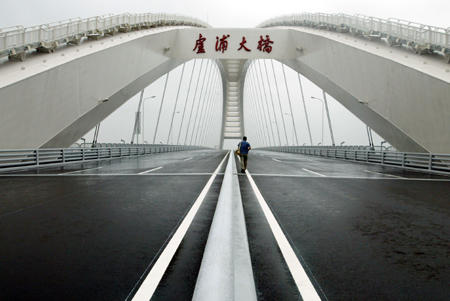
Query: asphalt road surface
(94, 231)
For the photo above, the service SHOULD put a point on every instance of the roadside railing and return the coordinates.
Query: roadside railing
(18, 159)
(434, 163)
(16, 41)
(421, 38)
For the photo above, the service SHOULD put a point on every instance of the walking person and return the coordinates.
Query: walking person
(244, 147)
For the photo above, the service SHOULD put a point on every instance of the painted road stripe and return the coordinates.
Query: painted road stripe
(187, 159)
(276, 160)
(301, 279)
(384, 174)
(150, 283)
(313, 172)
(150, 170)
(72, 172)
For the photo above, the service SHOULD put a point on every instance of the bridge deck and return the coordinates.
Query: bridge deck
(91, 231)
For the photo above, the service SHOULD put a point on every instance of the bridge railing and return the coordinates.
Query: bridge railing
(418, 37)
(18, 159)
(435, 163)
(18, 40)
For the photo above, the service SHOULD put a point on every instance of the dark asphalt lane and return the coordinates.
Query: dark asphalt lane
(178, 282)
(365, 239)
(273, 280)
(87, 237)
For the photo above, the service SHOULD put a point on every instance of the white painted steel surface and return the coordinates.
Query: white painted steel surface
(412, 34)
(16, 39)
(52, 100)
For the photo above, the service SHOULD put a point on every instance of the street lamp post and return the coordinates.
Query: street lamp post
(323, 106)
(137, 121)
(143, 115)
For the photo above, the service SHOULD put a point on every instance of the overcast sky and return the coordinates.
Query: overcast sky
(229, 13)
(225, 13)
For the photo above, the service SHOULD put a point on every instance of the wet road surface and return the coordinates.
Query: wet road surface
(92, 231)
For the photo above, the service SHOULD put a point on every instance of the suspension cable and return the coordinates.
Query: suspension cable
(205, 104)
(160, 107)
(193, 102)
(260, 82)
(264, 118)
(186, 102)
(254, 115)
(202, 101)
(199, 98)
(328, 117)
(256, 110)
(304, 108)
(279, 102)
(266, 107)
(290, 104)
(176, 102)
(271, 98)
(208, 123)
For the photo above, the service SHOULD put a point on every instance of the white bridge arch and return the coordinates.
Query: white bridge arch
(52, 100)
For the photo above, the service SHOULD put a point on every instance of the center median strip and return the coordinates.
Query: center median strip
(226, 270)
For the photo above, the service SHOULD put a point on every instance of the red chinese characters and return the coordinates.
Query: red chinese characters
(200, 44)
(242, 45)
(265, 45)
(222, 44)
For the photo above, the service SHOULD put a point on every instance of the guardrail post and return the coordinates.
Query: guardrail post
(63, 155)
(98, 154)
(403, 159)
(382, 157)
(37, 157)
(430, 162)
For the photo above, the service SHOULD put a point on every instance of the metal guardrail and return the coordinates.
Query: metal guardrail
(16, 41)
(19, 159)
(421, 38)
(435, 163)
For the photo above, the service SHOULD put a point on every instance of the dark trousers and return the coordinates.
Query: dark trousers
(244, 159)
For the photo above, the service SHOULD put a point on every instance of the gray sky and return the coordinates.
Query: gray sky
(230, 13)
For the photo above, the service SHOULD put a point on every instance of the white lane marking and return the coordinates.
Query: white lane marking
(384, 174)
(150, 170)
(187, 159)
(276, 160)
(301, 279)
(72, 172)
(150, 283)
(313, 172)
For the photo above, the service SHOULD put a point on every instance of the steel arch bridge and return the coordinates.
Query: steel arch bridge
(52, 100)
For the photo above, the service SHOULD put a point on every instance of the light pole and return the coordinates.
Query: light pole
(143, 115)
(137, 121)
(323, 106)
